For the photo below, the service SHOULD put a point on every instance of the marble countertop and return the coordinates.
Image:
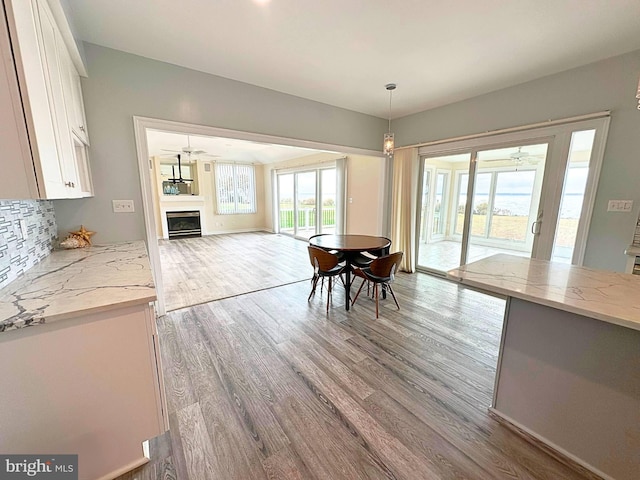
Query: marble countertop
(70, 283)
(608, 296)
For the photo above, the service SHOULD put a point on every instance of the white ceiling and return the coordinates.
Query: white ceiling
(343, 52)
(168, 144)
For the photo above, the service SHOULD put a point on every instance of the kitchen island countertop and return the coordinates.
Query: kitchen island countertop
(71, 283)
(607, 296)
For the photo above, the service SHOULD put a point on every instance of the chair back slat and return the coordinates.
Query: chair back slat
(321, 259)
(386, 266)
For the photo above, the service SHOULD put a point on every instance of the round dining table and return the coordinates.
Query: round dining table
(350, 246)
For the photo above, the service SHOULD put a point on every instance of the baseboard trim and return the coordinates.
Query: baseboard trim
(227, 232)
(560, 454)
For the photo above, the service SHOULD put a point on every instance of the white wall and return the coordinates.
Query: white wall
(606, 85)
(365, 194)
(121, 86)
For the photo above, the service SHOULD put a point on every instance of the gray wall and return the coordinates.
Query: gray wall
(607, 85)
(121, 85)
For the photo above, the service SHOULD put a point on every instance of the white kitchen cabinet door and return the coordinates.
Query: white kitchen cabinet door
(73, 96)
(55, 73)
(49, 101)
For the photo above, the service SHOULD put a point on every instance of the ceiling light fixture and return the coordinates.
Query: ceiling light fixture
(388, 144)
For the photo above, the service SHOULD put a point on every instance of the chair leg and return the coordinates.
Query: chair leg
(328, 294)
(393, 295)
(359, 290)
(375, 290)
(314, 283)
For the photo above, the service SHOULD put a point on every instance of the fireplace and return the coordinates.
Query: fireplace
(184, 224)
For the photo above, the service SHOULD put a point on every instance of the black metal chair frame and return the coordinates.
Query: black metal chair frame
(325, 265)
(380, 271)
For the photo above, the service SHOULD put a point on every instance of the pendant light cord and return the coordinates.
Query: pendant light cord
(390, 95)
(391, 87)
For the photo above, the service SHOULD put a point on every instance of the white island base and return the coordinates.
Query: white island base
(573, 383)
(568, 374)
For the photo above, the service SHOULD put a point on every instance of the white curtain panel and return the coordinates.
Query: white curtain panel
(404, 205)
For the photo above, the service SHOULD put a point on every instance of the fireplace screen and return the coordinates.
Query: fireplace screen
(184, 224)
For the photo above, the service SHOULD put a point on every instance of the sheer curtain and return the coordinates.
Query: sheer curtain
(403, 205)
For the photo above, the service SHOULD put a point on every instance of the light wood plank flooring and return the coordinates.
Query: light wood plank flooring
(266, 386)
(199, 270)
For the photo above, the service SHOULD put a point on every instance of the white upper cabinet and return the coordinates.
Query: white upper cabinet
(73, 97)
(52, 105)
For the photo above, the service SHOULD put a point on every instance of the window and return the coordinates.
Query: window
(235, 188)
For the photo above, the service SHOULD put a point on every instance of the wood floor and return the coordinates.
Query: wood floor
(198, 270)
(267, 386)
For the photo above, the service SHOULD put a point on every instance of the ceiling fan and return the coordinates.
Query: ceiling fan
(521, 157)
(188, 150)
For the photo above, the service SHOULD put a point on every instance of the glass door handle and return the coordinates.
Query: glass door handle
(534, 230)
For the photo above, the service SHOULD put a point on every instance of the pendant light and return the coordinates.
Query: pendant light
(388, 144)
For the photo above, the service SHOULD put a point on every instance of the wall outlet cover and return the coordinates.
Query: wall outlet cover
(620, 206)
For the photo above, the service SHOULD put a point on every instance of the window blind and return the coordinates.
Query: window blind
(235, 188)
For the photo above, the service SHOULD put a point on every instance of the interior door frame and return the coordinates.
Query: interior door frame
(140, 126)
(559, 137)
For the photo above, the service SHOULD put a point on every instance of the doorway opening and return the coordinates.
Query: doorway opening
(225, 176)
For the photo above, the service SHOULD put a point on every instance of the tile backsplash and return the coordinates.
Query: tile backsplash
(17, 252)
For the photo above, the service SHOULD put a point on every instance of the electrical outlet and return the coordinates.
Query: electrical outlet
(620, 206)
(123, 206)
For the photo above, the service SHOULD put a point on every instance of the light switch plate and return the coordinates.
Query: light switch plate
(123, 206)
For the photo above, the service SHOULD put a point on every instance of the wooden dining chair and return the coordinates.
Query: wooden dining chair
(325, 265)
(364, 259)
(381, 271)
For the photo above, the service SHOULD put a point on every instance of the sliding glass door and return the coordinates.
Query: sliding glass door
(307, 202)
(306, 198)
(529, 195)
(286, 212)
(506, 200)
(439, 245)
(572, 202)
